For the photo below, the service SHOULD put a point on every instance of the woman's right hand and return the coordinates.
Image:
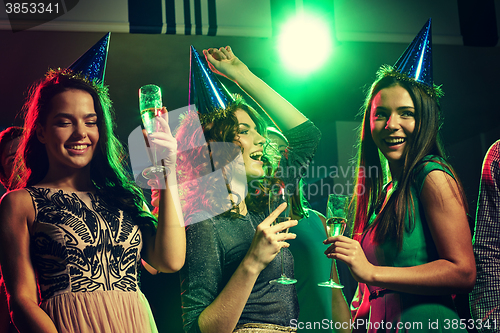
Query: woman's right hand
(223, 62)
(350, 251)
(166, 141)
(269, 239)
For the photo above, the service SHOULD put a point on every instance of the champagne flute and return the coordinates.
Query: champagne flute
(151, 106)
(335, 225)
(278, 195)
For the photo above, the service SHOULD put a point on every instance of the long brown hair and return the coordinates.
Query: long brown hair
(369, 189)
(108, 169)
(198, 159)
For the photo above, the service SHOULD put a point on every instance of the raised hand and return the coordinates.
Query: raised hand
(223, 62)
(269, 239)
(350, 252)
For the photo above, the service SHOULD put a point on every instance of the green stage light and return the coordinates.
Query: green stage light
(305, 43)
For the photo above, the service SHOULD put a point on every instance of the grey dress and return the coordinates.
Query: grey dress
(216, 246)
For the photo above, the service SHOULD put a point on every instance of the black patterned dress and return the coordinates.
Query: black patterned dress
(86, 255)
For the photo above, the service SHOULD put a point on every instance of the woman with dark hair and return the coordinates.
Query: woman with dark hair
(75, 230)
(9, 142)
(231, 240)
(411, 241)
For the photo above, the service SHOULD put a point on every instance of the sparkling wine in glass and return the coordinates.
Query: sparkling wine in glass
(151, 106)
(335, 226)
(277, 196)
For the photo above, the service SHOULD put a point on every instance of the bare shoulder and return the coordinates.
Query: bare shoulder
(442, 198)
(439, 184)
(17, 196)
(439, 177)
(16, 206)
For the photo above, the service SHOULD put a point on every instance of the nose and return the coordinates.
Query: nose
(80, 131)
(259, 139)
(392, 123)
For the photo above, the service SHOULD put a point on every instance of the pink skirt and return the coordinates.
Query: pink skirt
(100, 312)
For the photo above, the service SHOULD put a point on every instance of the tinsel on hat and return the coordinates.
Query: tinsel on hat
(95, 83)
(433, 91)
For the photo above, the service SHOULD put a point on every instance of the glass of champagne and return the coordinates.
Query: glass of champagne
(151, 106)
(277, 196)
(335, 225)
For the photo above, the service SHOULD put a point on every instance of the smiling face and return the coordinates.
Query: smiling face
(251, 144)
(70, 133)
(392, 122)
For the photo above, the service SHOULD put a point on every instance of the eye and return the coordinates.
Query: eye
(243, 131)
(91, 123)
(380, 115)
(407, 114)
(63, 123)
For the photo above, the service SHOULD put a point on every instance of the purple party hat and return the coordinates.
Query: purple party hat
(92, 64)
(416, 61)
(206, 92)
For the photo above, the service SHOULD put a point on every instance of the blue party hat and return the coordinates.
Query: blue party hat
(92, 64)
(415, 64)
(416, 61)
(206, 92)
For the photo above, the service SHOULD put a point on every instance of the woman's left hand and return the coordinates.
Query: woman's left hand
(350, 252)
(223, 62)
(165, 140)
